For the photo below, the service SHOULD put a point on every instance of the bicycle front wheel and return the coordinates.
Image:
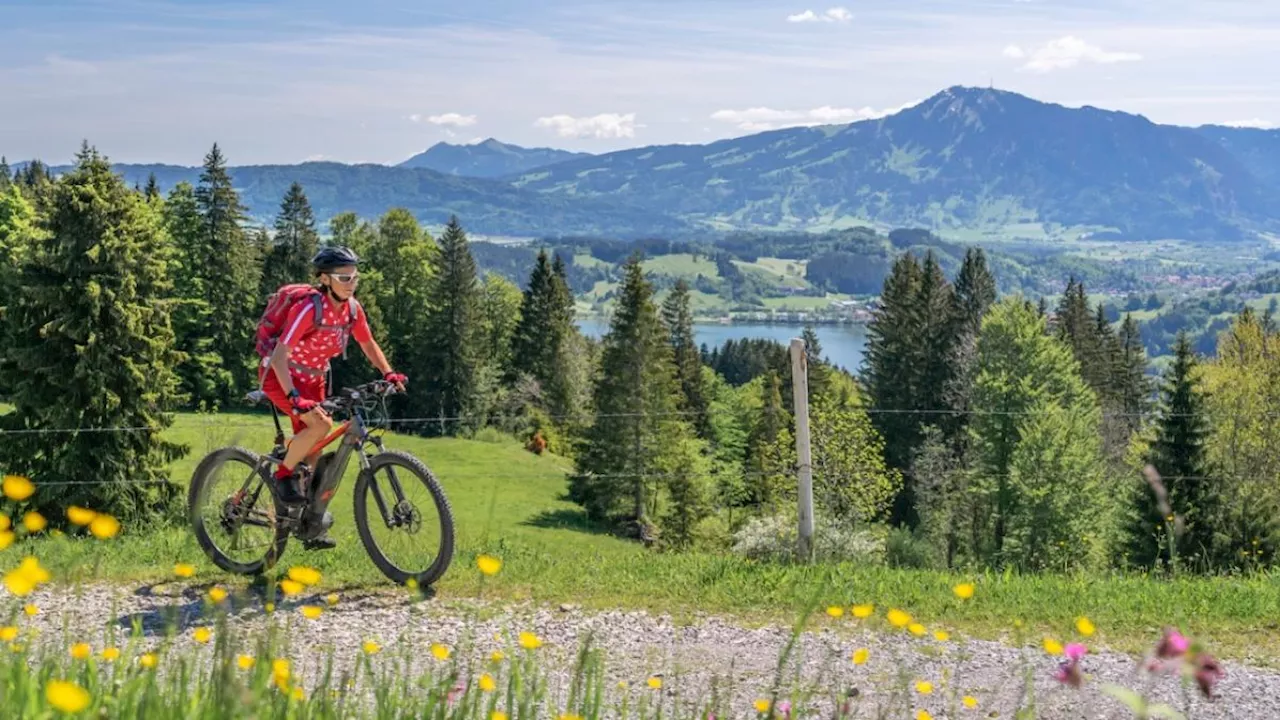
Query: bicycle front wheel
(404, 518)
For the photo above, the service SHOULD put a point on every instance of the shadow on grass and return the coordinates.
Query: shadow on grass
(566, 519)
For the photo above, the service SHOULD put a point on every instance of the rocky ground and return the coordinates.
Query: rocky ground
(741, 661)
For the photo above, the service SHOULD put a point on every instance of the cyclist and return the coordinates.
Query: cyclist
(293, 376)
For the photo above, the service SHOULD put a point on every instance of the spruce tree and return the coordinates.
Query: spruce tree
(635, 423)
(677, 316)
(289, 253)
(771, 451)
(543, 337)
(94, 348)
(225, 254)
(975, 293)
(891, 355)
(1134, 389)
(152, 190)
(5, 180)
(200, 369)
(450, 336)
(1178, 454)
(817, 371)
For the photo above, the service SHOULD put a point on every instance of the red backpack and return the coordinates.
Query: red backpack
(281, 303)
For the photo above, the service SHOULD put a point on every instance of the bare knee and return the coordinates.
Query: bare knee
(319, 421)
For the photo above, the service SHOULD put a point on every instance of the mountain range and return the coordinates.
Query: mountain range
(967, 163)
(487, 159)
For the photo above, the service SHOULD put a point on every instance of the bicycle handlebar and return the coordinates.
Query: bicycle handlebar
(348, 399)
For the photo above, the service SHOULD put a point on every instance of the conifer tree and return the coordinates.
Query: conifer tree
(635, 399)
(17, 241)
(224, 252)
(5, 180)
(450, 333)
(543, 337)
(94, 348)
(891, 354)
(289, 253)
(1134, 387)
(677, 316)
(200, 369)
(152, 190)
(1178, 454)
(771, 452)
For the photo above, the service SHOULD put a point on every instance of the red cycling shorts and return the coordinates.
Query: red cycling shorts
(310, 387)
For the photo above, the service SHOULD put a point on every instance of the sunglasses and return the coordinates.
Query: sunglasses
(345, 278)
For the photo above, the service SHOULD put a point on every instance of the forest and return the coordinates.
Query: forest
(984, 431)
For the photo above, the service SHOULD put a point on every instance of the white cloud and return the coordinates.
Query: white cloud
(453, 119)
(835, 14)
(1257, 123)
(764, 118)
(602, 126)
(1066, 52)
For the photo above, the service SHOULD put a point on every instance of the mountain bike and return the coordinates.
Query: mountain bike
(245, 526)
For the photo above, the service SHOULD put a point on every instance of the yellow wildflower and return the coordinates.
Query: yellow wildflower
(916, 629)
(835, 611)
(30, 609)
(290, 587)
(304, 575)
(80, 516)
(104, 526)
(6, 538)
(863, 611)
(66, 696)
(5, 522)
(942, 635)
(110, 654)
(298, 694)
(923, 715)
(898, 618)
(18, 583)
(970, 701)
(30, 567)
(529, 641)
(148, 661)
(311, 612)
(18, 488)
(217, 594)
(332, 599)
(1084, 626)
(1053, 647)
(184, 570)
(761, 705)
(497, 656)
(245, 661)
(34, 522)
(486, 683)
(8, 633)
(964, 591)
(280, 672)
(202, 635)
(370, 647)
(655, 682)
(439, 651)
(270, 607)
(924, 687)
(497, 715)
(81, 651)
(860, 656)
(488, 564)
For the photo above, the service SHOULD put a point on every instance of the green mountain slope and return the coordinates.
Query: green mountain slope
(484, 206)
(963, 159)
(1258, 150)
(487, 159)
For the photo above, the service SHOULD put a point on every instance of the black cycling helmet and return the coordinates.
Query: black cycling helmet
(334, 257)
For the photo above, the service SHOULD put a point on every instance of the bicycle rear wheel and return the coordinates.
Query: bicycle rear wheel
(404, 518)
(234, 514)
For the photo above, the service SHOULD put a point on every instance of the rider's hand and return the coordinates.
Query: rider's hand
(397, 379)
(302, 406)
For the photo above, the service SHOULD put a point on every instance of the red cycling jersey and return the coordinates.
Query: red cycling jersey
(310, 350)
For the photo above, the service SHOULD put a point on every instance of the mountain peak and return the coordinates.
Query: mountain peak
(487, 158)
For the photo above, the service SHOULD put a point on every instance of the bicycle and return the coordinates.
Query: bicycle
(239, 510)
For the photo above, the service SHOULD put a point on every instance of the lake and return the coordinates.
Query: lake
(842, 345)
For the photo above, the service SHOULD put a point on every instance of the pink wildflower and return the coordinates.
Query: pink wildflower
(1074, 651)
(1208, 673)
(1173, 644)
(1068, 673)
(784, 707)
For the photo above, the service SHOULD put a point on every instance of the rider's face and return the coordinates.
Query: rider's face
(334, 281)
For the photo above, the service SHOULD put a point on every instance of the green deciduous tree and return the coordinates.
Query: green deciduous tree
(851, 482)
(95, 348)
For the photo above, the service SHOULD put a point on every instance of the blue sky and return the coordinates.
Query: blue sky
(376, 81)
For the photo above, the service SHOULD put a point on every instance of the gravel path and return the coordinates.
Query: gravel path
(690, 656)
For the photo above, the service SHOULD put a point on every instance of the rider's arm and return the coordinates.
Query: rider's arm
(361, 333)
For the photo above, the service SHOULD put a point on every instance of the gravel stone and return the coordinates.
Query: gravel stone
(740, 662)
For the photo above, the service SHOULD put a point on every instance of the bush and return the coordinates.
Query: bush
(774, 539)
(903, 549)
